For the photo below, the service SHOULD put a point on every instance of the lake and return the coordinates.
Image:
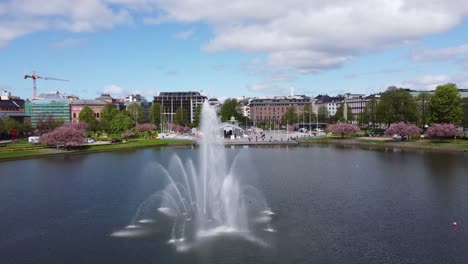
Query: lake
(333, 205)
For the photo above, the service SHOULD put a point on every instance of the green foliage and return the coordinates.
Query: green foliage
(322, 114)
(309, 115)
(369, 115)
(121, 122)
(8, 124)
(197, 115)
(47, 123)
(396, 105)
(230, 108)
(339, 115)
(465, 112)
(290, 117)
(108, 112)
(181, 117)
(155, 114)
(422, 101)
(445, 105)
(136, 112)
(87, 116)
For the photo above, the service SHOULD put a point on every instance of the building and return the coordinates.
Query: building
(264, 109)
(12, 106)
(77, 106)
(331, 103)
(54, 105)
(245, 106)
(119, 103)
(171, 101)
(141, 100)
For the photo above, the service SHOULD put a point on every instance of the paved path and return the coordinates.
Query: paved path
(271, 137)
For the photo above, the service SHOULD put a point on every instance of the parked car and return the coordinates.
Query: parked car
(116, 140)
(90, 140)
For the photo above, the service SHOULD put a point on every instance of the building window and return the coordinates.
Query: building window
(74, 115)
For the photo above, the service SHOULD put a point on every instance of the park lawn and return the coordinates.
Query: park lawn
(24, 153)
(138, 144)
(18, 150)
(451, 143)
(454, 144)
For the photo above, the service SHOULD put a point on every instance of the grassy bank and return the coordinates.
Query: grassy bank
(25, 150)
(458, 145)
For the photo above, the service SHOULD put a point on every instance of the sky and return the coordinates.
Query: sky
(232, 48)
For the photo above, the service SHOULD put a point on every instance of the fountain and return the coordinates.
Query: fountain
(204, 201)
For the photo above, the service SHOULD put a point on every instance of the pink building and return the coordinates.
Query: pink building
(77, 106)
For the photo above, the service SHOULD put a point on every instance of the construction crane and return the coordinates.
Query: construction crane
(34, 76)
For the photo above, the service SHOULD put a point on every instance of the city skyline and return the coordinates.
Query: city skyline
(232, 48)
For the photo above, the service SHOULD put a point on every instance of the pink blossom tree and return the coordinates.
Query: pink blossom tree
(128, 134)
(179, 128)
(344, 128)
(442, 131)
(404, 130)
(291, 127)
(145, 127)
(64, 136)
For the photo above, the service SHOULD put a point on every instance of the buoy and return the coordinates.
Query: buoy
(455, 224)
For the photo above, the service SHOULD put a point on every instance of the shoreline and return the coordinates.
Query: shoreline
(384, 145)
(185, 144)
(91, 151)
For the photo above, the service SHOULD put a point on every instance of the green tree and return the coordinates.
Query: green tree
(47, 123)
(155, 114)
(322, 114)
(290, 117)
(181, 117)
(465, 112)
(10, 124)
(197, 115)
(445, 105)
(396, 105)
(108, 112)
(136, 112)
(87, 116)
(230, 108)
(422, 101)
(121, 122)
(339, 115)
(309, 114)
(369, 115)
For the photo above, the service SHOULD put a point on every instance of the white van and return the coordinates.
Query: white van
(34, 140)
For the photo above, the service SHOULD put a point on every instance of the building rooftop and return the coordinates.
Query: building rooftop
(47, 98)
(89, 102)
(12, 103)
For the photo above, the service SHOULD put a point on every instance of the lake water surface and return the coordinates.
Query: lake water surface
(332, 204)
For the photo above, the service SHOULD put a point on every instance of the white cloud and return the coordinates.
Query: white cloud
(114, 90)
(430, 82)
(118, 91)
(184, 34)
(27, 16)
(303, 35)
(310, 35)
(268, 88)
(440, 54)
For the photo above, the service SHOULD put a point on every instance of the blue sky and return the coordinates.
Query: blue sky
(229, 48)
